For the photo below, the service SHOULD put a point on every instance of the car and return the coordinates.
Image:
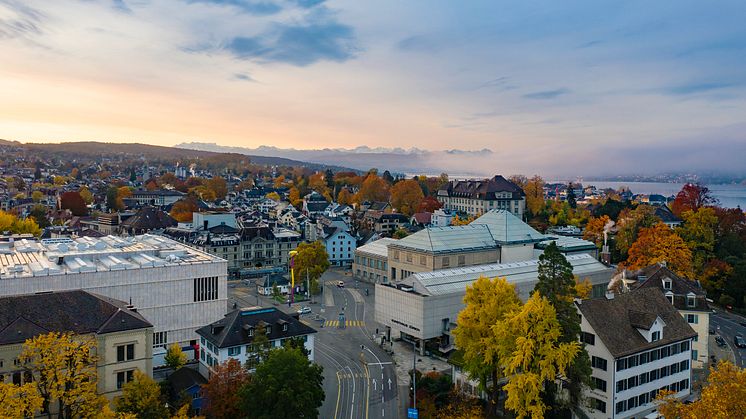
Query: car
(341, 284)
(304, 310)
(720, 341)
(739, 341)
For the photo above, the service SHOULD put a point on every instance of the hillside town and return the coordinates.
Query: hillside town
(190, 282)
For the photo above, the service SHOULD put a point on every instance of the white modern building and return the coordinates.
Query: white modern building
(639, 345)
(233, 336)
(425, 305)
(175, 287)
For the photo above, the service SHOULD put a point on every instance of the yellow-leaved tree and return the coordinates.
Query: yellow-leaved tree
(64, 368)
(487, 302)
(530, 353)
(724, 396)
(19, 401)
(142, 398)
(660, 244)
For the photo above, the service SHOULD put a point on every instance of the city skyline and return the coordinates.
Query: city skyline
(615, 87)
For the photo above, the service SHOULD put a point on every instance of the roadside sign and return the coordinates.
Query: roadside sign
(412, 413)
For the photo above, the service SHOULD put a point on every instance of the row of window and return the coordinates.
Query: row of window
(652, 375)
(365, 274)
(647, 397)
(370, 262)
(206, 289)
(650, 356)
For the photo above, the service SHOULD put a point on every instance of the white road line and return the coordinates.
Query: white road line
(352, 405)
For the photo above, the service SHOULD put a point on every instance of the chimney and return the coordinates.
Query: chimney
(204, 224)
(60, 260)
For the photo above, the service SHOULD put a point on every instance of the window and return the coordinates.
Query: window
(461, 260)
(599, 363)
(621, 406)
(644, 378)
(684, 365)
(694, 354)
(644, 358)
(656, 336)
(409, 257)
(621, 364)
(684, 346)
(124, 377)
(599, 384)
(588, 338)
(206, 289)
(422, 259)
(160, 339)
(396, 255)
(126, 352)
(621, 385)
(251, 331)
(285, 326)
(670, 298)
(234, 351)
(692, 318)
(599, 405)
(446, 261)
(690, 301)
(268, 329)
(667, 284)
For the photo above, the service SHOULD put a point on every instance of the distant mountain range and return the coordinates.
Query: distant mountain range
(397, 160)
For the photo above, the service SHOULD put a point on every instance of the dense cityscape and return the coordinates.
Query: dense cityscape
(302, 209)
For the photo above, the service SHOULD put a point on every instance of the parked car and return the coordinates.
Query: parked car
(739, 341)
(720, 341)
(341, 284)
(304, 310)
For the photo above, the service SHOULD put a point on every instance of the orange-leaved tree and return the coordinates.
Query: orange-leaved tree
(657, 244)
(221, 391)
(406, 196)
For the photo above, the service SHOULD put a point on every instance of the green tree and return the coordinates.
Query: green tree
(571, 198)
(285, 385)
(37, 196)
(558, 285)
(310, 261)
(698, 232)
(142, 397)
(629, 224)
(259, 348)
(175, 357)
(531, 354)
(487, 302)
(39, 214)
(112, 193)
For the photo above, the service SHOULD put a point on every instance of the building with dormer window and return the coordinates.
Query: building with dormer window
(639, 344)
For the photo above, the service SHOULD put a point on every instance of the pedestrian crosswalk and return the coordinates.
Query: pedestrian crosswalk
(347, 323)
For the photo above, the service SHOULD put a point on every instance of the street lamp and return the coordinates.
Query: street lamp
(292, 254)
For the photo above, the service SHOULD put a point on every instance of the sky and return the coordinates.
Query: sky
(544, 84)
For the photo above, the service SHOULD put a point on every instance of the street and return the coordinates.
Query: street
(359, 377)
(729, 325)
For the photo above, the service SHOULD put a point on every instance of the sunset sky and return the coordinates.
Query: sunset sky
(552, 80)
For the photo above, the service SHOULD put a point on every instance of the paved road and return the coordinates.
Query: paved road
(729, 325)
(359, 378)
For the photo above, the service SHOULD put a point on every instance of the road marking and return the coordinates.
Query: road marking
(348, 323)
(367, 397)
(339, 392)
(389, 384)
(352, 404)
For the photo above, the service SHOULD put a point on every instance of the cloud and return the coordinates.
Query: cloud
(259, 7)
(547, 94)
(18, 20)
(243, 77)
(307, 4)
(696, 87)
(122, 6)
(300, 45)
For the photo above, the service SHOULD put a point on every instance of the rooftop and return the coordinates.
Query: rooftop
(449, 239)
(233, 329)
(506, 228)
(30, 258)
(378, 247)
(567, 243)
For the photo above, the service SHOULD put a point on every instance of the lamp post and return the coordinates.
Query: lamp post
(292, 254)
(414, 374)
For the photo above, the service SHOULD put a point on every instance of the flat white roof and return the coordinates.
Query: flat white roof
(31, 258)
(379, 247)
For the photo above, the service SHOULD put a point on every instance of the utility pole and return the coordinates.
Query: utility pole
(308, 287)
(414, 374)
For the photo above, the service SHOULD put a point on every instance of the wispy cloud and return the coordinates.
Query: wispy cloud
(255, 7)
(243, 77)
(19, 20)
(696, 87)
(547, 94)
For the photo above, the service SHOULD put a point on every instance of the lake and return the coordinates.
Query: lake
(730, 196)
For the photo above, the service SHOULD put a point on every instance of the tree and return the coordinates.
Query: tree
(594, 230)
(37, 172)
(19, 401)
(429, 204)
(175, 358)
(142, 397)
(294, 197)
(344, 197)
(558, 285)
(534, 191)
(218, 186)
(692, 196)
(86, 195)
(698, 232)
(182, 209)
(245, 184)
(629, 224)
(9, 222)
(406, 196)
(285, 385)
(660, 244)
(487, 302)
(37, 196)
(111, 199)
(260, 347)
(724, 396)
(458, 221)
(311, 261)
(274, 196)
(73, 202)
(221, 391)
(387, 177)
(329, 179)
(531, 353)
(39, 215)
(64, 367)
(571, 199)
(520, 180)
(461, 407)
(373, 189)
(400, 234)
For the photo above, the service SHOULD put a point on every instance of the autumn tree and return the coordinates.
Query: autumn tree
(273, 196)
(344, 197)
(86, 194)
(15, 225)
(142, 397)
(429, 204)
(461, 406)
(285, 385)
(245, 184)
(39, 215)
(558, 285)
(459, 221)
(64, 369)
(486, 301)
(698, 231)
(531, 352)
(182, 209)
(74, 202)
(406, 196)
(629, 224)
(520, 180)
(175, 358)
(294, 197)
(373, 189)
(111, 199)
(534, 191)
(19, 401)
(692, 196)
(724, 396)
(218, 186)
(311, 261)
(37, 196)
(660, 244)
(221, 391)
(594, 230)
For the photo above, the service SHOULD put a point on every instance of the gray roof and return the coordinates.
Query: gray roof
(567, 243)
(26, 316)
(378, 247)
(523, 274)
(506, 228)
(652, 277)
(232, 330)
(615, 321)
(449, 239)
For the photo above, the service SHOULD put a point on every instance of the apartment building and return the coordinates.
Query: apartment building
(475, 197)
(639, 344)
